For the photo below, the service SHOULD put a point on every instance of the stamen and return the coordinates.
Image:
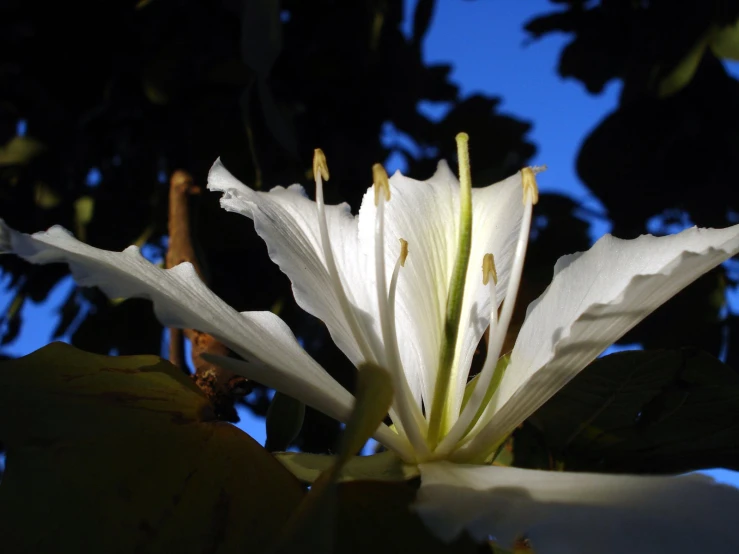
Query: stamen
(488, 269)
(446, 381)
(391, 303)
(471, 416)
(408, 409)
(320, 172)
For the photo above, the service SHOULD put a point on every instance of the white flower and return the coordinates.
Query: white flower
(411, 284)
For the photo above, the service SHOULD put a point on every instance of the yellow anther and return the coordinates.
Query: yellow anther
(382, 183)
(528, 182)
(319, 164)
(403, 251)
(488, 269)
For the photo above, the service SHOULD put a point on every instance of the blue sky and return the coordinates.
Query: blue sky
(491, 54)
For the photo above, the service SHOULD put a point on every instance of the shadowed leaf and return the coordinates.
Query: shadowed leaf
(654, 411)
(122, 455)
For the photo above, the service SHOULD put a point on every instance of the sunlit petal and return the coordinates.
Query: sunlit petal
(594, 298)
(182, 300)
(288, 223)
(425, 214)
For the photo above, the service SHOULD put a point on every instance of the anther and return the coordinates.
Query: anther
(320, 167)
(528, 182)
(403, 251)
(488, 269)
(382, 183)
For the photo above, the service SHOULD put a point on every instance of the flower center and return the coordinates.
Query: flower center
(441, 431)
(478, 406)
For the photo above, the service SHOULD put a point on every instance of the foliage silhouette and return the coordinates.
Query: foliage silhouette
(665, 155)
(165, 85)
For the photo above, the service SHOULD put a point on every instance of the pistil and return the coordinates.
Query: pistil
(489, 377)
(446, 379)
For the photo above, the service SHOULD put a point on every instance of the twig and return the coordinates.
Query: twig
(222, 387)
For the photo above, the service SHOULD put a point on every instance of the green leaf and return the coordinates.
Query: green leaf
(681, 74)
(385, 466)
(109, 454)
(725, 42)
(20, 151)
(284, 421)
(645, 412)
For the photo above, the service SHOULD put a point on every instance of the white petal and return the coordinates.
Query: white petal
(579, 512)
(426, 214)
(287, 221)
(182, 300)
(594, 298)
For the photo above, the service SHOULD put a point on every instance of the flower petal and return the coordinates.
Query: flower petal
(287, 221)
(426, 215)
(594, 298)
(182, 300)
(579, 512)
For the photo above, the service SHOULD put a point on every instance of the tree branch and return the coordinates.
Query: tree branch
(222, 387)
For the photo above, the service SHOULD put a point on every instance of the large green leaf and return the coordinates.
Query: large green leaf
(652, 411)
(122, 454)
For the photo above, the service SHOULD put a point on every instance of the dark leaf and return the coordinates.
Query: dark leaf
(422, 17)
(658, 411)
(261, 35)
(284, 421)
(123, 455)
